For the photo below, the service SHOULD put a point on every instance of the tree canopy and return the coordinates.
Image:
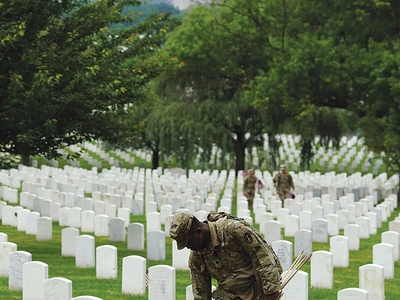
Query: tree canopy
(254, 67)
(63, 72)
(240, 69)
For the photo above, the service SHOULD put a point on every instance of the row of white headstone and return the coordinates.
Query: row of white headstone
(228, 195)
(32, 276)
(348, 157)
(75, 216)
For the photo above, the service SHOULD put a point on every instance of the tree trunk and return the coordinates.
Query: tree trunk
(25, 159)
(155, 158)
(240, 155)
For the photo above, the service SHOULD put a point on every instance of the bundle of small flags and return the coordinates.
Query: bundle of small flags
(298, 263)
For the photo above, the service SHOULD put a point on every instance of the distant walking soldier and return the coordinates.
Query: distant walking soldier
(232, 252)
(249, 187)
(283, 183)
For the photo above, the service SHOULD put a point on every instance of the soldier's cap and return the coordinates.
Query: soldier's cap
(283, 167)
(180, 227)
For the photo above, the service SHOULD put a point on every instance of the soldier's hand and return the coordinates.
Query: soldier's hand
(274, 296)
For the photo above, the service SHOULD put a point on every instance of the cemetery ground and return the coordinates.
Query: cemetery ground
(85, 282)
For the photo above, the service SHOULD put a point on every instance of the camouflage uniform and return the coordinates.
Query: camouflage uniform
(283, 184)
(249, 188)
(243, 264)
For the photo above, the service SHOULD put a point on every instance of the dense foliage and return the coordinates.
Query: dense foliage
(245, 68)
(63, 72)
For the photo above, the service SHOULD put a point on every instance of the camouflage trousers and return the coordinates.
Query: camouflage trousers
(250, 197)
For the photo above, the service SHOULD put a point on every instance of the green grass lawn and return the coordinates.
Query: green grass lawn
(85, 282)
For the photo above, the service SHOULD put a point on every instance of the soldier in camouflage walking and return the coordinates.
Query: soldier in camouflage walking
(231, 251)
(249, 187)
(283, 183)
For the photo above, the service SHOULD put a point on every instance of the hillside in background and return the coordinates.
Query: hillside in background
(144, 11)
(154, 2)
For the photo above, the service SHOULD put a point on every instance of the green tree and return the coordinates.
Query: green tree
(63, 72)
(379, 107)
(222, 51)
(133, 127)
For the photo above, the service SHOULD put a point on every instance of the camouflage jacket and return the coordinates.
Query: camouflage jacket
(242, 263)
(250, 183)
(283, 181)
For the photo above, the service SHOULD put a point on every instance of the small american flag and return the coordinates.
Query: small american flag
(147, 278)
(260, 185)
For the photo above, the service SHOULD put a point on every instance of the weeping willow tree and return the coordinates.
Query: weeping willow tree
(326, 124)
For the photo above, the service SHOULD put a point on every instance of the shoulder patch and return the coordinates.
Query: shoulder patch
(247, 237)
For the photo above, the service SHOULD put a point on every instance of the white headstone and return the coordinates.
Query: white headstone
(322, 270)
(339, 247)
(371, 279)
(165, 211)
(162, 282)
(125, 214)
(155, 245)
(21, 215)
(117, 230)
(55, 211)
(292, 225)
(3, 237)
(180, 258)
(57, 288)
(305, 221)
(272, 231)
(44, 229)
(297, 288)
(64, 216)
(87, 221)
(343, 217)
(110, 210)
(394, 226)
(282, 214)
(320, 231)
(382, 254)
(85, 251)
(136, 236)
(392, 238)
(303, 242)
(333, 224)
(284, 251)
(98, 207)
(372, 222)
(6, 249)
(153, 221)
(138, 207)
(133, 275)
(363, 223)
(16, 261)
(106, 262)
(68, 236)
(31, 222)
(101, 225)
(352, 232)
(352, 294)
(34, 275)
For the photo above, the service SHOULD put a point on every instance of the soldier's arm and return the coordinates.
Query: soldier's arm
(276, 179)
(201, 279)
(263, 258)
